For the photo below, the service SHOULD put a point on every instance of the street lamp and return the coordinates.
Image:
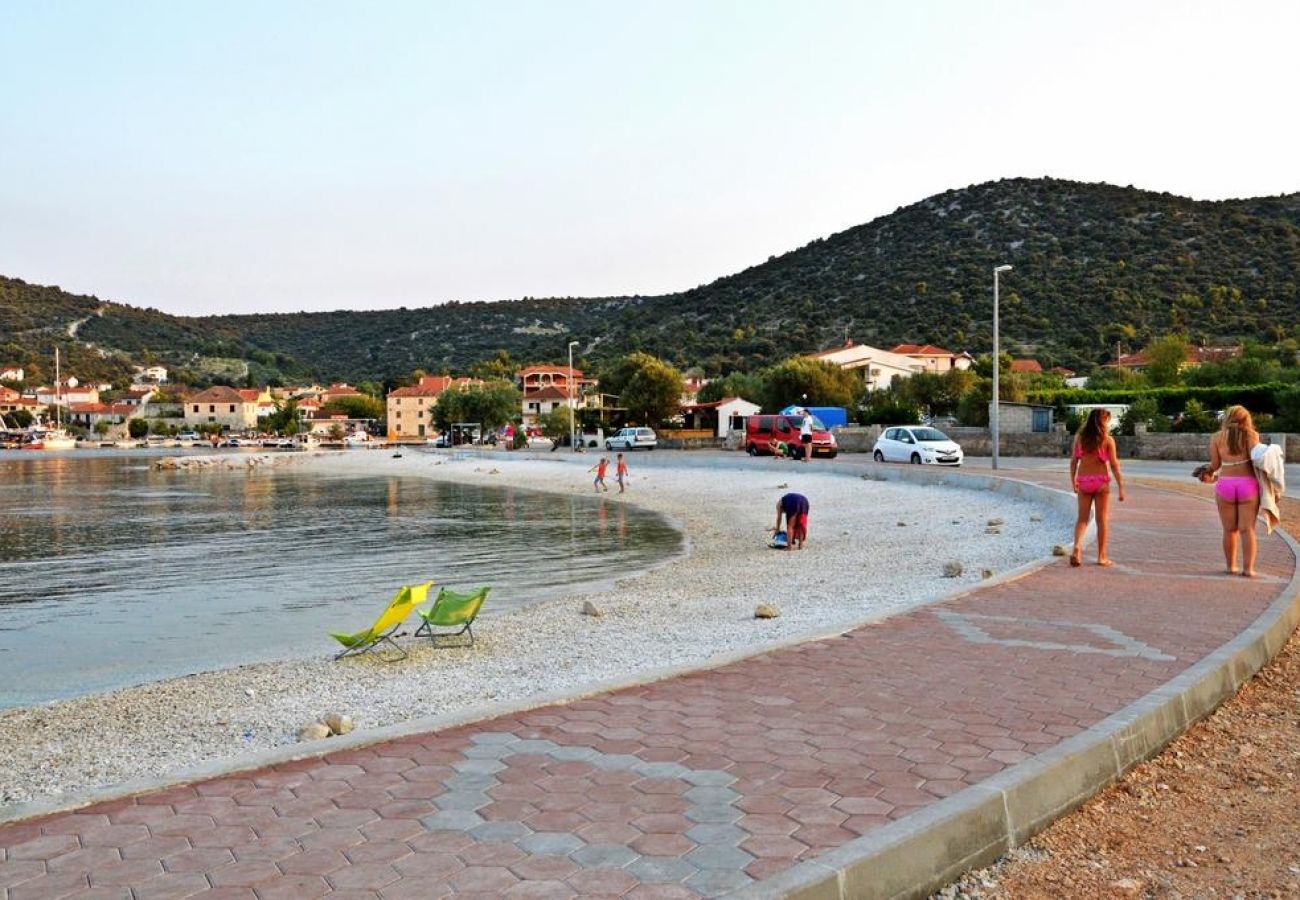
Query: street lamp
(997, 365)
(573, 445)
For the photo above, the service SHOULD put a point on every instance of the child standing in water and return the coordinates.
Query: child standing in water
(600, 468)
(1091, 464)
(620, 473)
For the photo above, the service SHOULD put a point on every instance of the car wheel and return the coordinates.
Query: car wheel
(832, 454)
(609, 445)
(880, 457)
(752, 450)
(916, 459)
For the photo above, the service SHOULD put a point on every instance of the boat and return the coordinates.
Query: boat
(43, 437)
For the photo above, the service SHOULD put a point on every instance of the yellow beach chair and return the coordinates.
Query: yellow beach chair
(382, 632)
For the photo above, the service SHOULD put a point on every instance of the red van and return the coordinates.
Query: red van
(761, 432)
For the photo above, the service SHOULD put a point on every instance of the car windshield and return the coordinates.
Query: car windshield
(929, 434)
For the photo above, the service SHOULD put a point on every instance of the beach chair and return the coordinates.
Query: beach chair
(382, 632)
(449, 610)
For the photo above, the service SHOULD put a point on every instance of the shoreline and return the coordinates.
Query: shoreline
(685, 611)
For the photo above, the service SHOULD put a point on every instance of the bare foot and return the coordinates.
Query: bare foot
(1076, 558)
(1105, 562)
(1233, 572)
(1248, 574)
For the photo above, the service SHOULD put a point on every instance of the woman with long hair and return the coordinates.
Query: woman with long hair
(1092, 461)
(1236, 490)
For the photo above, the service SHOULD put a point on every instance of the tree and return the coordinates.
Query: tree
(1165, 359)
(101, 427)
(492, 405)
(809, 382)
(939, 394)
(355, 406)
(555, 424)
(737, 384)
(284, 420)
(137, 428)
(647, 387)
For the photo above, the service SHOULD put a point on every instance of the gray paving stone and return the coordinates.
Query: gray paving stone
(661, 869)
(616, 761)
(487, 751)
(478, 766)
(467, 800)
(574, 754)
(662, 770)
(500, 832)
(452, 820)
(717, 883)
(718, 835)
(711, 857)
(709, 795)
(714, 814)
(604, 856)
(494, 737)
(471, 781)
(550, 843)
(709, 777)
(530, 746)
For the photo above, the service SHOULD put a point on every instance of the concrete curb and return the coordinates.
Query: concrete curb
(921, 853)
(74, 800)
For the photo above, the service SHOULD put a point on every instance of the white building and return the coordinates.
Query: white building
(720, 415)
(877, 367)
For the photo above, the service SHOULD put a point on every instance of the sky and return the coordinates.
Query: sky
(208, 157)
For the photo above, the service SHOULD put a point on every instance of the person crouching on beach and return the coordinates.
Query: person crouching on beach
(600, 469)
(1092, 461)
(794, 507)
(620, 473)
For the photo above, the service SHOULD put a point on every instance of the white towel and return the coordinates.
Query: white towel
(1270, 472)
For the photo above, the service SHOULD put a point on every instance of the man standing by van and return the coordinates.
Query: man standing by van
(805, 436)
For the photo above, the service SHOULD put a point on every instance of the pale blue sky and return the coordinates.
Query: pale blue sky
(204, 157)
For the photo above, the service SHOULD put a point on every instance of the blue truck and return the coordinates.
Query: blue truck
(831, 416)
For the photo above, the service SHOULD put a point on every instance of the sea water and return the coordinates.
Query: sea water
(113, 573)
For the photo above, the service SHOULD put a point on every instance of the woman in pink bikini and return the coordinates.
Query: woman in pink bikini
(1236, 490)
(1091, 463)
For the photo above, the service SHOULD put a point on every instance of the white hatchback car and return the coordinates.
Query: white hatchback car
(917, 444)
(633, 439)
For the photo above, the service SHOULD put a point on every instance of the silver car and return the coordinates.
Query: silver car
(633, 439)
(918, 444)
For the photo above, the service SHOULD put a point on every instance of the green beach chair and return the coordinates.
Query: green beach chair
(407, 599)
(449, 610)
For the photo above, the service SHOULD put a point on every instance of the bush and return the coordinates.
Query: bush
(137, 428)
(890, 411)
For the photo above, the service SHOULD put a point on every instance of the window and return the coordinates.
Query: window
(232, 407)
(212, 407)
(196, 407)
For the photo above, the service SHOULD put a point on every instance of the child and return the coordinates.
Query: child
(620, 473)
(795, 508)
(600, 468)
(1091, 463)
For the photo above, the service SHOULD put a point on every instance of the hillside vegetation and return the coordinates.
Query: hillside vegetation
(1094, 264)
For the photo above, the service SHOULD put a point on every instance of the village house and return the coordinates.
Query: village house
(720, 416)
(154, 374)
(337, 391)
(136, 397)
(90, 414)
(410, 409)
(69, 391)
(261, 400)
(1196, 356)
(878, 368)
(222, 406)
(1027, 366)
(545, 388)
(12, 401)
(12, 373)
(332, 426)
(935, 360)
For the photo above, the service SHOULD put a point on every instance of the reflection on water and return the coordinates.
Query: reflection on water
(112, 573)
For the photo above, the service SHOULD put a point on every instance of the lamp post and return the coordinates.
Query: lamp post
(997, 365)
(573, 444)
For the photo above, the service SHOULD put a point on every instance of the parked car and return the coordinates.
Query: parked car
(633, 439)
(189, 436)
(917, 444)
(762, 433)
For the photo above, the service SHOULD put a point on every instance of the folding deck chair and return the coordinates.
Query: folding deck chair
(449, 610)
(382, 632)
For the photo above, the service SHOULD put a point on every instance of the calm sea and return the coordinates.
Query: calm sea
(114, 574)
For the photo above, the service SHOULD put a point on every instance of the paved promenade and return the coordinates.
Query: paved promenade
(705, 783)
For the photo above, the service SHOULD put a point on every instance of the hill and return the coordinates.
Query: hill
(1094, 264)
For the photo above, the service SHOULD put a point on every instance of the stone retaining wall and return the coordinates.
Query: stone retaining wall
(978, 442)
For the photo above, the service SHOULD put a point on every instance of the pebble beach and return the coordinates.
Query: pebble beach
(874, 548)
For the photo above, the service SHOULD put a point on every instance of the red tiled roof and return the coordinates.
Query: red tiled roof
(550, 392)
(250, 395)
(217, 394)
(920, 350)
(1026, 365)
(112, 409)
(553, 370)
(416, 390)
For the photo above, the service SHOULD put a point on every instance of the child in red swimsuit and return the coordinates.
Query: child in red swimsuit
(1091, 463)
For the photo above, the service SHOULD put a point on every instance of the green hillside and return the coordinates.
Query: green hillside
(1094, 264)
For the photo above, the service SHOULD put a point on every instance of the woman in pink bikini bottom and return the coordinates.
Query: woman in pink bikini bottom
(1091, 463)
(1236, 490)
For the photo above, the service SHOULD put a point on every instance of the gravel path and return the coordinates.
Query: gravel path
(874, 548)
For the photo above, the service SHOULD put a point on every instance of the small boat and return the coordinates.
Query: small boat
(42, 437)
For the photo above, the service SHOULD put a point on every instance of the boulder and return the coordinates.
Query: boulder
(952, 570)
(766, 611)
(986, 574)
(1059, 550)
(338, 723)
(591, 609)
(994, 522)
(314, 731)
(993, 529)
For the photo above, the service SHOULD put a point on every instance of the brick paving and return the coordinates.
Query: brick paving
(696, 785)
